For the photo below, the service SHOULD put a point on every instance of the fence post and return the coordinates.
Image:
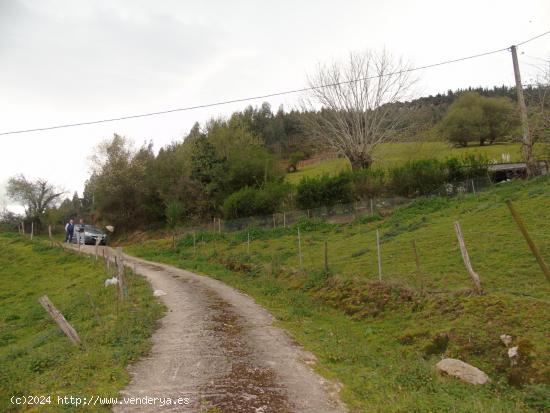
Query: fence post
(96, 248)
(466, 258)
(219, 226)
(59, 319)
(194, 245)
(379, 255)
(273, 221)
(530, 242)
(416, 258)
(248, 243)
(473, 187)
(23, 228)
(108, 264)
(371, 207)
(120, 273)
(326, 257)
(300, 249)
(284, 219)
(32, 229)
(94, 308)
(50, 234)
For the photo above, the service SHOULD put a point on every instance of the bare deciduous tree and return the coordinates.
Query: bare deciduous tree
(359, 104)
(35, 196)
(539, 103)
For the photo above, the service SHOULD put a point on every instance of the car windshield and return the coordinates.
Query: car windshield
(93, 230)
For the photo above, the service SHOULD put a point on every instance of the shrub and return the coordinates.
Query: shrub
(255, 201)
(471, 166)
(419, 177)
(368, 183)
(324, 191)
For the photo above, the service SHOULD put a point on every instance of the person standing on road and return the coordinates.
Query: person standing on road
(80, 232)
(69, 231)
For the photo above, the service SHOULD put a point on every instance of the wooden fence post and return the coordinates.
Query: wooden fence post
(59, 319)
(96, 248)
(194, 245)
(248, 243)
(534, 249)
(32, 229)
(219, 226)
(50, 234)
(379, 255)
(371, 207)
(466, 258)
(94, 308)
(108, 264)
(300, 250)
(326, 257)
(23, 228)
(416, 258)
(120, 273)
(284, 219)
(273, 221)
(473, 187)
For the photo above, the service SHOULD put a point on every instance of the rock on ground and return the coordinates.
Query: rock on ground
(463, 371)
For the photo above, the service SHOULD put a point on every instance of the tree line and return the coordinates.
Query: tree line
(236, 166)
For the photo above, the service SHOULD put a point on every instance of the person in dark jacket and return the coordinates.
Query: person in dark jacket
(69, 231)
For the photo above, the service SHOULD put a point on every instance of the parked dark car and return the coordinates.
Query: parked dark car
(91, 234)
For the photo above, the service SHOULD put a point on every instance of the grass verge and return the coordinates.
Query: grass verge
(36, 358)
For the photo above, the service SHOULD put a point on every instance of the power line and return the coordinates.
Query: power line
(533, 38)
(269, 95)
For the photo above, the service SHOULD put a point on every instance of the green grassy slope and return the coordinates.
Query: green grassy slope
(36, 358)
(391, 154)
(382, 340)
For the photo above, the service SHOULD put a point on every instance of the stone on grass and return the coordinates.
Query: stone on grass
(462, 371)
(159, 293)
(506, 339)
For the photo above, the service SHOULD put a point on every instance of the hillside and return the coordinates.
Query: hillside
(382, 339)
(392, 154)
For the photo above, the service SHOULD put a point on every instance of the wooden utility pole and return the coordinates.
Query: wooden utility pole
(530, 242)
(466, 258)
(526, 143)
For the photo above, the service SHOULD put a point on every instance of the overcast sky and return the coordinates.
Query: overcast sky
(70, 61)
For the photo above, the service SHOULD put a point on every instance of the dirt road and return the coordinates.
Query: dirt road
(218, 348)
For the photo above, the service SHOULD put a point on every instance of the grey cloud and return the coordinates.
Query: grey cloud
(90, 55)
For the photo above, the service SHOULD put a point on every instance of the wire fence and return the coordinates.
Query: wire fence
(339, 213)
(411, 251)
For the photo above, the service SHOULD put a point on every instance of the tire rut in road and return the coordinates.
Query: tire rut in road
(248, 386)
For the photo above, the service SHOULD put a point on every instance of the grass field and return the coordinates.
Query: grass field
(36, 358)
(391, 154)
(382, 340)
